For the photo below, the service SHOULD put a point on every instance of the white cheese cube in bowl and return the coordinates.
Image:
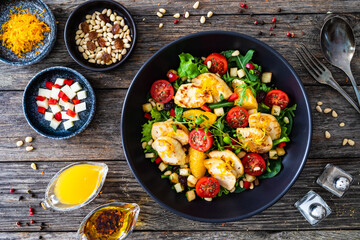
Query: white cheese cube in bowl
(76, 118)
(43, 104)
(55, 108)
(69, 105)
(55, 93)
(62, 103)
(80, 107)
(81, 95)
(44, 92)
(60, 81)
(68, 91)
(68, 124)
(49, 116)
(64, 116)
(54, 124)
(76, 87)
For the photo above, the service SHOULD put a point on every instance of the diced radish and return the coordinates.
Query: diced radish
(61, 102)
(49, 116)
(61, 94)
(76, 101)
(70, 113)
(68, 91)
(41, 110)
(55, 108)
(54, 123)
(68, 124)
(40, 98)
(68, 82)
(58, 117)
(44, 92)
(56, 86)
(69, 106)
(52, 101)
(65, 98)
(249, 66)
(76, 87)
(80, 107)
(60, 81)
(49, 85)
(43, 104)
(81, 95)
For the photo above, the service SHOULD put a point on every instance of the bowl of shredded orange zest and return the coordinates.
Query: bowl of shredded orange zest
(26, 36)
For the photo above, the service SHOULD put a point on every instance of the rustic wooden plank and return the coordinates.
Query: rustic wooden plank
(101, 140)
(151, 39)
(121, 185)
(208, 235)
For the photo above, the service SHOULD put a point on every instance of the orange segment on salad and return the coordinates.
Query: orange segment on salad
(208, 117)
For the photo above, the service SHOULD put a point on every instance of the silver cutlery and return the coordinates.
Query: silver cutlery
(320, 73)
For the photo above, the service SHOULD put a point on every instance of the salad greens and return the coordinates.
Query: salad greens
(190, 66)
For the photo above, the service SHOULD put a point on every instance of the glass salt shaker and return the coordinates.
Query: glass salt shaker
(335, 180)
(313, 208)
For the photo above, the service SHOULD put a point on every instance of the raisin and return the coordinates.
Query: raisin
(265, 156)
(260, 96)
(91, 46)
(85, 27)
(176, 167)
(104, 18)
(116, 29)
(183, 181)
(92, 35)
(106, 57)
(101, 42)
(119, 44)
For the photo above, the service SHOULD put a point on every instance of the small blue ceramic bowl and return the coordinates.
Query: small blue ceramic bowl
(6, 55)
(36, 120)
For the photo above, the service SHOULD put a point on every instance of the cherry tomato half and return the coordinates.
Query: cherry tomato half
(218, 63)
(200, 140)
(207, 187)
(162, 91)
(237, 117)
(254, 164)
(276, 97)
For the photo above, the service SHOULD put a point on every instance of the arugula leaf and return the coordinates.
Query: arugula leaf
(178, 113)
(190, 66)
(146, 131)
(222, 191)
(275, 168)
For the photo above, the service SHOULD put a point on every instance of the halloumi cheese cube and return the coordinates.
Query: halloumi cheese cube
(55, 108)
(69, 105)
(76, 118)
(76, 87)
(43, 104)
(80, 107)
(62, 103)
(54, 124)
(60, 81)
(68, 91)
(68, 124)
(49, 116)
(44, 92)
(81, 95)
(55, 93)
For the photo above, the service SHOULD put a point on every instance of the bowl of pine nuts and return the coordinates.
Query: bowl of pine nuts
(100, 34)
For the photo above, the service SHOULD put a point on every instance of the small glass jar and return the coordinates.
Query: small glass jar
(91, 227)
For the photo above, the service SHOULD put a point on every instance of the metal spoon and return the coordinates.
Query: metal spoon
(338, 46)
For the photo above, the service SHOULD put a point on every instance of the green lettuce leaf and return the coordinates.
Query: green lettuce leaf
(272, 170)
(146, 131)
(190, 66)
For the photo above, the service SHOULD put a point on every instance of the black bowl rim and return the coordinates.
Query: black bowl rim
(92, 110)
(282, 59)
(47, 50)
(112, 66)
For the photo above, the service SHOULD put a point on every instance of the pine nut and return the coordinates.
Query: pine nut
(318, 108)
(342, 124)
(128, 38)
(351, 142)
(252, 185)
(78, 41)
(92, 60)
(85, 56)
(29, 148)
(176, 15)
(286, 120)
(78, 32)
(108, 13)
(208, 64)
(187, 15)
(126, 27)
(202, 20)
(345, 141)
(161, 25)
(319, 103)
(118, 18)
(112, 17)
(209, 14)
(196, 5)
(88, 16)
(122, 23)
(81, 49)
(235, 53)
(162, 10)
(159, 14)
(19, 143)
(33, 166)
(334, 114)
(104, 11)
(256, 182)
(327, 134)
(327, 110)
(123, 52)
(127, 45)
(241, 184)
(88, 52)
(28, 139)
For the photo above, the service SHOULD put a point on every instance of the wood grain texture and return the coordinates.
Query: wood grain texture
(121, 185)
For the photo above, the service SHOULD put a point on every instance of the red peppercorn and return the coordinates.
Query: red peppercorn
(271, 28)
(31, 209)
(243, 5)
(32, 221)
(12, 190)
(176, 21)
(288, 34)
(273, 20)
(255, 22)
(18, 223)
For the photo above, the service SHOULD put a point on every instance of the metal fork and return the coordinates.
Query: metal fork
(321, 73)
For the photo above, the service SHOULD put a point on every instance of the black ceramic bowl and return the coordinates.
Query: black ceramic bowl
(37, 121)
(230, 207)
(78, 16)
(6, 55)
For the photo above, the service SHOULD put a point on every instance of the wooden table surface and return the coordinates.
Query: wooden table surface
(101, 140)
